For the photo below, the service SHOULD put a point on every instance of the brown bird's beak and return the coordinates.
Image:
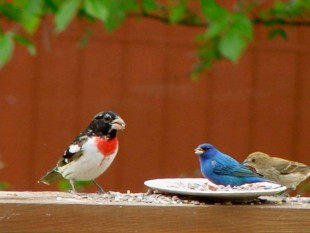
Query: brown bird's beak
(248, 164)
(198, 151)
(254, 170)
(118, 124)
(245, 162)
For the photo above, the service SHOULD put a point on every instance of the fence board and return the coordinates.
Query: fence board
(274, 104)
(302, 145)
(57, 102)
(143, 109)
(17, 120)
(36, 212)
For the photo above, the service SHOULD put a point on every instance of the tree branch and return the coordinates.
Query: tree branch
(165, 19)
(281, 22)
(190, 23)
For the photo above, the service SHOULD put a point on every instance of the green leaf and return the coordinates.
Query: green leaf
(178, 11)
(111, 12)
(97, 9)
(66, 13)
(207, 53)
(231, 45)
(218, 19)
(149, 5)
(85, 37)
(216, 28)
(35, 7)
(129, 5)
(213, 11)
(24, 41)
(10, 11)
(243, 25)
(277, 32)
(51, 5)
(117, 13)
(31, 23)
(200, 38)
(6, 48)
(112, 23)
(32, 7)
(31, 14)
(279, 8)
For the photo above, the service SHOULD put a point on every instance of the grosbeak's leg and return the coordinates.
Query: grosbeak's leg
(72, 185)
(99, 187)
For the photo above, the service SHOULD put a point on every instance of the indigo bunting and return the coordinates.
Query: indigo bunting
(282, 171)
(222, 169)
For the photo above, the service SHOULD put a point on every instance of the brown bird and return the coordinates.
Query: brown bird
(281, 171)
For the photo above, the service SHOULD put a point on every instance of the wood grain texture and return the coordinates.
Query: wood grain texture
(41, 214)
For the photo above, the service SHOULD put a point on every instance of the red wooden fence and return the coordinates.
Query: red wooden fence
(142, 72)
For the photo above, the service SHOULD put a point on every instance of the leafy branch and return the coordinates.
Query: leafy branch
(201, 24)
(225, 32)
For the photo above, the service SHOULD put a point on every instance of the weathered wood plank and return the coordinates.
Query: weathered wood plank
(42, 212)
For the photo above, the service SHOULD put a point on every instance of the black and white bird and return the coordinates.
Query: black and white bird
(91, 152)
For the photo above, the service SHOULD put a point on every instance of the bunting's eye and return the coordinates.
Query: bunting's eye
(253, 160)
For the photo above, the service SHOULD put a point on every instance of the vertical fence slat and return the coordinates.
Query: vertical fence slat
(16, 105)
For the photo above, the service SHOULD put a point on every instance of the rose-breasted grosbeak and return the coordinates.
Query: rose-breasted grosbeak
(91, 152)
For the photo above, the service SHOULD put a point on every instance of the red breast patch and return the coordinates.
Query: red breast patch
(107, 147)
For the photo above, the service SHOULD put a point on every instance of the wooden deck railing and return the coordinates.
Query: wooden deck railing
(50, 212)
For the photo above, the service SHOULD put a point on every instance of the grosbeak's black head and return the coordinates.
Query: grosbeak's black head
(105, 124)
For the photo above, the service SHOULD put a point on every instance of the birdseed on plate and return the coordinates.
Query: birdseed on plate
(207, 187)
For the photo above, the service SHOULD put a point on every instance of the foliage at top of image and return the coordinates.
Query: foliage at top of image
(225, 32)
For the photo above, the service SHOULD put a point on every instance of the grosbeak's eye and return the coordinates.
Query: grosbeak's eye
(253, 160)
(107, 117)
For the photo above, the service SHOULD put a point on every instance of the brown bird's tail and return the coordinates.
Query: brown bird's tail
(50, 177)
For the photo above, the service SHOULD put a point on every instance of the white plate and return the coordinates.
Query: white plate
(187, 187)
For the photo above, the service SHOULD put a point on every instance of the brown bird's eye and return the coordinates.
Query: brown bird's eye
(253, 160)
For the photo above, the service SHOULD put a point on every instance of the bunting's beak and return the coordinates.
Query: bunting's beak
(198, 151)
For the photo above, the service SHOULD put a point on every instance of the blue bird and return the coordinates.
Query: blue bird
(222, 169)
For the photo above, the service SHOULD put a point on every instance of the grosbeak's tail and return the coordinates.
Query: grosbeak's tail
(50, 177)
